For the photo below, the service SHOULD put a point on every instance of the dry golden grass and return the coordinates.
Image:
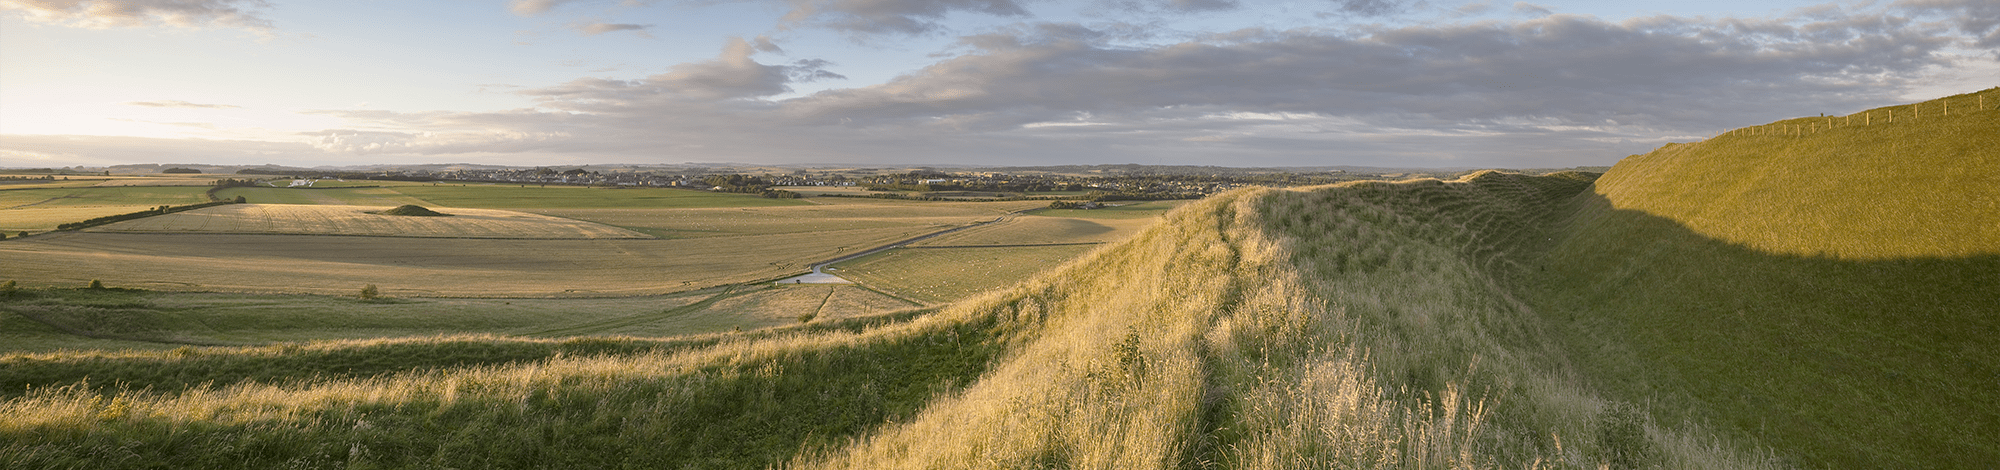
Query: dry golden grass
(156, 181)
(1036, 230)
(940, 275)
(42, 219)
(1926, 187)
(827, 216)
(423, 266)
(292, 219)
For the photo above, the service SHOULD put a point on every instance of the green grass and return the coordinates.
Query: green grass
(1495, 321)
(568, 197)
(103, 196)
(496, 196)
(943, 275)
(1125, 210)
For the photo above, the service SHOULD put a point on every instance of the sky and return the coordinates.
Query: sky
(1387, 83)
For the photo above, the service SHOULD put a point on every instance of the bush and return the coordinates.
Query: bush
(95, 284)
(369, 292)
(8, 288)
(413, 210)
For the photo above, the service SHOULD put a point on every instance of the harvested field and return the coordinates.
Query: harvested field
(940, 275)
(422, 266)
(292, 219)
(1033, 230)
(737, 221)
(43, 219)
(161, 181)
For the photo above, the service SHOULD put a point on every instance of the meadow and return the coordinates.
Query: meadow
(1497, 320)
(292, 219)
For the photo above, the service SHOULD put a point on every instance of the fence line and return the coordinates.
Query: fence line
(1812, 125)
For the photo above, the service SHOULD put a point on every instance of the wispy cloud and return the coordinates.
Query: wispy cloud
(593, 29)
(100, 14)
(178, 104)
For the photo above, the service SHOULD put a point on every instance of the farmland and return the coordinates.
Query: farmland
(287, 219)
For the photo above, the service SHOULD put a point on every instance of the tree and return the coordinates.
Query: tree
(95, 284)
(369, 292)
(240, 200)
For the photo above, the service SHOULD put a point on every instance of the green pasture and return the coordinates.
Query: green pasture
(495, 196)
(943, 275)
(102, 196)
(499, 196)
(1123, 210)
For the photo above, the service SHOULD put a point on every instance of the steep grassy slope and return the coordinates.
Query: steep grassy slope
(1496, 321)
(1847, 187)
(1833, 294)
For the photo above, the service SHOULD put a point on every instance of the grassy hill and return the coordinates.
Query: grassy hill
(1632, 320)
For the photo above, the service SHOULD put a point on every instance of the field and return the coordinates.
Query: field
(943, 275)
(42, 209)
(287, 219)
(1570, 320)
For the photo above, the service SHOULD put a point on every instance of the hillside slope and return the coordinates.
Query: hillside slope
(1832, 294)
(1633, 320)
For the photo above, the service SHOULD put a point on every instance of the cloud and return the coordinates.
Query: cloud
(534, 7)
(1369, 7)
(1979, 19)
(593, 29)
(178, 104)
(891, 16)
(100, 14)
(1661, 71)
(1551, 91)
(731, 75)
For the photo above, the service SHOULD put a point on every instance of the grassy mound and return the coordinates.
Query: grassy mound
(1850, 187)
(1498, 320)
(412, 210)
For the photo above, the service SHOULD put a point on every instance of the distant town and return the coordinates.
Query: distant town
(1095, 182)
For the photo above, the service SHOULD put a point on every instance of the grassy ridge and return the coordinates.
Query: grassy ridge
(1829, 293)
(1495, 321)
(1835, 186)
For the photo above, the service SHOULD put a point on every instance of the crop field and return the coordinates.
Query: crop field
(1039, 230)
(135, 319)
(335, 196)
(422, 266)
(942, 275)
(1120, 210)
(501, 196)
(42, 209)
(831, 216)
(292, 219)
(156, 181)
(94, 196)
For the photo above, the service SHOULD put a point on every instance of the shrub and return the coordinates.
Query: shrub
(369, 292)
(8, 288)
(95, 284)
(412, 210)
(240, 200)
